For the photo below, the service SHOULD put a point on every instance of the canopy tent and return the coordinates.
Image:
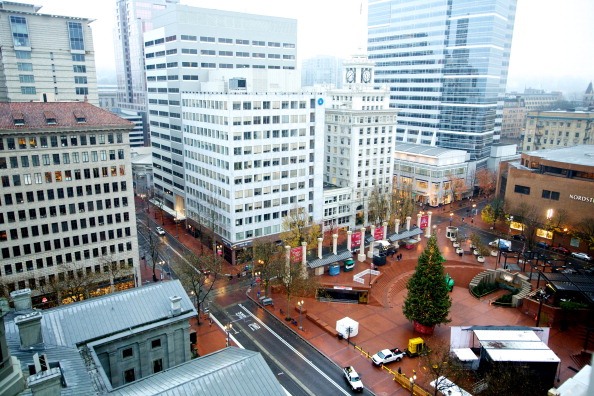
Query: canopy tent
(347, 327)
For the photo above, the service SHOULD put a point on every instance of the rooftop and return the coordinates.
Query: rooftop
(421, 149)
(577, 155)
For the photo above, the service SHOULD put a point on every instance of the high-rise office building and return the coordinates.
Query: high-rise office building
(446, 65)
(252, 155)
(45, 57)
(66, 227)
(185, 46)
(322, 70)
(133, 18)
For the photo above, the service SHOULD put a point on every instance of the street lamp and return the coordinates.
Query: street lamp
(451, 217)
(300, 305)
(412, 382)
(228, 331)
(541, 296)
(473, 210)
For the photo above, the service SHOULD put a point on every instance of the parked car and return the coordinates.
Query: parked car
(502, 244)
(519, 237)
(560, 249)
(160, 231)
(353, 379)
(581, 255)
(386, 356)
(543, 245)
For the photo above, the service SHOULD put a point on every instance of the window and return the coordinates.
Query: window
(522, 189)
(78, 57)
(79, 68)
(127, 353)
(156, 343)
(26, 78)
(82, 90)
(20, 33)
(129, 376)
(28, 90)
(157, 365)
(75, 32)
(22, 54)
(80, 80)
(22, 66)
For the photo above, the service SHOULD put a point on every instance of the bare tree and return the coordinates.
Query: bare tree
(379, 206)
(441, 364)
(72, 283)
(585, 230)
(530, 218)
(402, 204)
(295, 283)
(198, 275)
(269, 258)
(160, 205)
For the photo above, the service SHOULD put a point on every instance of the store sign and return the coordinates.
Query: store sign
(424, 221)
(581, 198)
(356, 239)
(296, 254)
(378, 234)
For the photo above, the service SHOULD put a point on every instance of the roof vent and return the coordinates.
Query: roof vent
(21, 299)
(29, 329)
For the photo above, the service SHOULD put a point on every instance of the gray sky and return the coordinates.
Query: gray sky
(552, 49)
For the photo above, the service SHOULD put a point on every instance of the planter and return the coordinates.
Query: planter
(456, 244)
(475, 252)
(494, 253)
(459, 250)
(480, 259)
(426, 330)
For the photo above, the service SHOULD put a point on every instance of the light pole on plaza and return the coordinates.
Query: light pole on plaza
(228, 331)
(300, 305)
(451, 217)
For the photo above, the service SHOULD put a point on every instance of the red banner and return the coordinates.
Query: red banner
(356, 238)
(424, 221)
(296, 254)
(378, 234)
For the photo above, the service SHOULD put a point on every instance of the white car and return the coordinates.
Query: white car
(353, 379)
(160, 231)
(581, 255)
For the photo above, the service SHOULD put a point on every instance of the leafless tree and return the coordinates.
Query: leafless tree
(441, 364)
(379, 205)
(486, 180)
(269, 258)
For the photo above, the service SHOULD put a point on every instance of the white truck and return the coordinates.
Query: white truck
(387, 356)
(353, 379)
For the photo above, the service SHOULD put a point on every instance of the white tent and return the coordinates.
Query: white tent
(347, 327)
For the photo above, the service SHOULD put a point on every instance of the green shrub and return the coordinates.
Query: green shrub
(572, 305)
(484, 287)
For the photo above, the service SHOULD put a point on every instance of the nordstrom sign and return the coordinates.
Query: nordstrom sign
(581, 198)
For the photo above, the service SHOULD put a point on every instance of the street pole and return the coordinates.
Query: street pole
(451, 217)
(540, 295)
(300, 304)
(412, 382)
(228, 330)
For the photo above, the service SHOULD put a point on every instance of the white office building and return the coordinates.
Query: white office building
(67, 200)
(186, 44)
(252, 155)
(359, 143)
(45, 57)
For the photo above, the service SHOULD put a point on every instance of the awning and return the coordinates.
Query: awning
(176, 215)
(414, 231)
(329, 259)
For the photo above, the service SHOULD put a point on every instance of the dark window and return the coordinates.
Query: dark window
(522, 189)
(156, 343)
(157, 365)
(129, 376)
(555, 195)
(126, 353)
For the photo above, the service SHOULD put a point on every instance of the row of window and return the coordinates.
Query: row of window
(546, 194)
(34, 142)
(221, 40)
(41, 282)
(66, 242)
(211, 65)
(57, 159)
(19, 197)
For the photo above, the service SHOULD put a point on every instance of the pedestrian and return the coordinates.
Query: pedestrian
(399, 371)
(462, 219)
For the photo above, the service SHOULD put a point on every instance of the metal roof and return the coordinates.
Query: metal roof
(580, 283)
(578, 155)
(231, 371)
(421, 149)
(329, 259)
(414, 231)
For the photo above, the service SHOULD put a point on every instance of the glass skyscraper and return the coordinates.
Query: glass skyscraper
(446, 64)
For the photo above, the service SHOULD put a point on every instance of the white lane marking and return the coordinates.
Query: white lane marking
(294, 350)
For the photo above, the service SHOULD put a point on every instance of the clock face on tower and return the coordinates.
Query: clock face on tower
(350, 75)
(366, 76)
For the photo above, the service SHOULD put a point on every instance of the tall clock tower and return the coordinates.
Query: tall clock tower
(358, 71)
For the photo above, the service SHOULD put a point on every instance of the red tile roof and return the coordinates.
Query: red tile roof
(66, 114)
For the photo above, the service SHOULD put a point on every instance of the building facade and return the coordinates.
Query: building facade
(551, 181)
(322, 71)
(45, 57)
(436, 176)
(186, 46)
(251, 157)
(555, 129)
(133, 18)
(446, 67)
(67, 199)
(360, 131)
(514, 118)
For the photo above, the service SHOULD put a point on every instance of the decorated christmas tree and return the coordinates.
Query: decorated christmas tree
(428, 302)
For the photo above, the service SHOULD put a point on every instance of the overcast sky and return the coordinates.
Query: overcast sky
(552, 49)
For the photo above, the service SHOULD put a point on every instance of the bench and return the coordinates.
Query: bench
(321, 324)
